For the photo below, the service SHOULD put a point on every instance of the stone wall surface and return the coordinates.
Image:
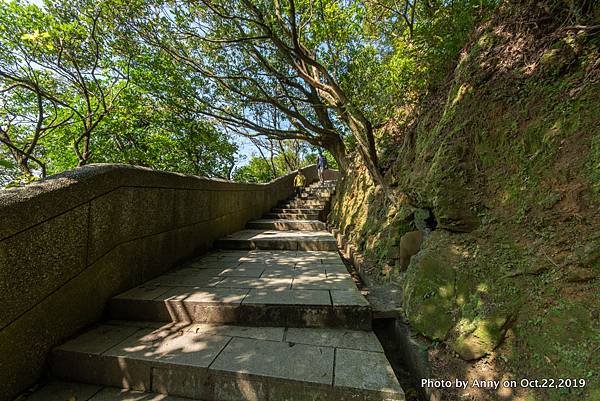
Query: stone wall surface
(70, 242)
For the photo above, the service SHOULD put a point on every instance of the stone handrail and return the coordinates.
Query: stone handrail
(70, 242)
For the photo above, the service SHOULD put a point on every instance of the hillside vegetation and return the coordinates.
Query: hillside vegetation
(499, 171)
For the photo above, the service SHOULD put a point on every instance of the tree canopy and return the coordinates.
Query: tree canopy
(171, 84)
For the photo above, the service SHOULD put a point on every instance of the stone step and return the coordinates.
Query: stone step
(256, 288)
(317, 201)
(73, 391)
(270, 239)
(312, 197)
(305, 203)
(227, 363)
(292, 216)
(284, 225)
(325, 182)
(300, 205)
(295, 211)
(315, 196)
(322, 187)
(319, 193)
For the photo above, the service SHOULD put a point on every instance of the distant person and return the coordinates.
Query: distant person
(321, 166)
(299, 182)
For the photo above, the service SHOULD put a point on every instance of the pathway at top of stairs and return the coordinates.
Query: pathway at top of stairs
(272, 316)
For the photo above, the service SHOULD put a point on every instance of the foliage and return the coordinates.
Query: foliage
(512, 141)
(145, 132)
(75, 89)
(167, 84)
(257, 170)
(275, 160)
(58, 73)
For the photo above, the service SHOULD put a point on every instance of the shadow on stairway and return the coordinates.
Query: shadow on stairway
(272, 315)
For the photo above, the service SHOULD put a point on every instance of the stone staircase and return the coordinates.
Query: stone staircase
(273, 315)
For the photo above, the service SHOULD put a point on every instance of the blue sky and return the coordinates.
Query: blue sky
(246, 150)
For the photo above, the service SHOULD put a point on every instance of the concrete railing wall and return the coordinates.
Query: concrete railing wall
(72, 241)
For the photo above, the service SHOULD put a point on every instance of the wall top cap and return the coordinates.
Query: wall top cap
(23, 207)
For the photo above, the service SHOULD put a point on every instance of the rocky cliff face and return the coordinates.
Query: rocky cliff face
(499, 171)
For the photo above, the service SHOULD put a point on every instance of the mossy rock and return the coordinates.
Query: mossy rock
(590, 255)
(557, 60)
(488, 334)
(410, 245)
(421, 217)
(429, 291)
(450, 192)
(453, 214)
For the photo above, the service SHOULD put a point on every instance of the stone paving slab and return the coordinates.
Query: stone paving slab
(274, 283)
(310, 269)
(348, 298)
(318, 193)
(204, 295)
(71, 391)
(271, 265)
(305, 201)
(311, 261)
(322, 282)
(335, 270)
(257, 333)
(295, 211)
(265, 288)
(198, 278)
(298, 362)
(116, 394)
(180, 348)
(224, 363)
(283, 240)
(369, 371)
(318, 253)
(64, 391)
(209, 263)
(141, 324)
(288, 297)
(292, 216)
(144, 292)
(247, 270)
(99, 339)
(285, 272)
(286, 224)
(337, 338)
(337, 274)
(313, 207)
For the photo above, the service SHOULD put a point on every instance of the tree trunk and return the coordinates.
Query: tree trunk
(335, 146)
(23, 164)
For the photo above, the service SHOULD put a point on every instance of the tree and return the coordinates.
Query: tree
(167, 84)
(27, 116)
(28, 110)
(80, 58)
(275, 158)
(144, 130)
(56, 71)
(257, 170)
(75, 87)
(264, 64)
(283, 156)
